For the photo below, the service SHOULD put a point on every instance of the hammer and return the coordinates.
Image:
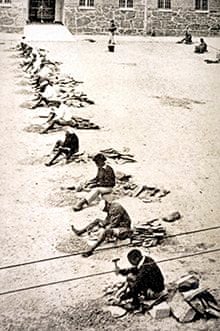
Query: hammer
(115, 261)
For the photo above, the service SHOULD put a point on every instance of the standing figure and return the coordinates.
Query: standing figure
(101, 185)
(40, 13)
(112, 31)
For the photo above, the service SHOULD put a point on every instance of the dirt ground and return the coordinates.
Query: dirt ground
(156, 98)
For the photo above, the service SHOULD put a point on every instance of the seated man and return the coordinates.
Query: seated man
(143, 278)
(46, 72)
(47, 95)
(61, 116)
(117, 224)
(102, 184)
(69, 146)
(202, 47)
(187, 39)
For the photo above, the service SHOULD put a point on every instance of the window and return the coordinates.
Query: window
(125, 3)
(86, 3)
(201, 5)
(164, 4)
(7, 2)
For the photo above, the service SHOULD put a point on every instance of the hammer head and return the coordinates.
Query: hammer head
(115, 260)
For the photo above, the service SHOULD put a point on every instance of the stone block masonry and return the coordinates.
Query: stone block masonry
(95, 20)
(142, 19)
(172, 22)
(12, 16)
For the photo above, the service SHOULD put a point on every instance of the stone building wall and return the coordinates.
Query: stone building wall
(173, 22)
(131, 21)
(12, 16)
(96, 19)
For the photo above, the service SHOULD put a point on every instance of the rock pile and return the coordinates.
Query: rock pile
(191, 302)
(149, 234)
(184, 300)
(126, 187)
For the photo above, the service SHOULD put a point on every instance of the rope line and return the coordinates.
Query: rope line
(217, 49)
(103, 273)
(101, 249)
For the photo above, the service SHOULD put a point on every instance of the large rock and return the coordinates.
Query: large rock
(181, 310)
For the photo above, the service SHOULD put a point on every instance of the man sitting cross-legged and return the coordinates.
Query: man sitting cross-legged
(59, 116)
(117, 224)
(68, 147)
(101, 185)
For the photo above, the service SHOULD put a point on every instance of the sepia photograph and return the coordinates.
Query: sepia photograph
(110, 165)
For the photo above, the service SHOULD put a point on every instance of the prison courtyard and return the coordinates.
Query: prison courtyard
(154, 98)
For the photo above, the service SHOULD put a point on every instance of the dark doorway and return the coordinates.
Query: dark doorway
(42, 11)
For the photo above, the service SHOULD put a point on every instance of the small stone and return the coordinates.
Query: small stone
(115, 311)
(172, 217)
(160, 311)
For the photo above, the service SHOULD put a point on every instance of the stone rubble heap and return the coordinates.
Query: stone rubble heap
(184, 300)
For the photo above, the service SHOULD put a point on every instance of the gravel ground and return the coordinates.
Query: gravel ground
(153, 96)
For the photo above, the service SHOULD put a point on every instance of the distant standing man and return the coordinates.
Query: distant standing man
(40, 13)
(112, 31)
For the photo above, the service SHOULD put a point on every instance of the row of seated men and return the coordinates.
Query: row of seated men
(144, 277)
(201, 48)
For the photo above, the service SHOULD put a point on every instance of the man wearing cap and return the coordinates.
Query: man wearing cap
(101, 185)
(143, 278)
(68, 147)
(117, 224)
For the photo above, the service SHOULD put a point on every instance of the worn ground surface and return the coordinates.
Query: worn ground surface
(153, 96)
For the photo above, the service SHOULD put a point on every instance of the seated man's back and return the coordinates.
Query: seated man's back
(117, 216)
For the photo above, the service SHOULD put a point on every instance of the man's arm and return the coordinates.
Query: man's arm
(125, 272)
(92, 182)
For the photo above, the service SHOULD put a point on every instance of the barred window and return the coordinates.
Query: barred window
(201, 5)
(86, 3)
(164, 4)
(126, 4)
(5, 1)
